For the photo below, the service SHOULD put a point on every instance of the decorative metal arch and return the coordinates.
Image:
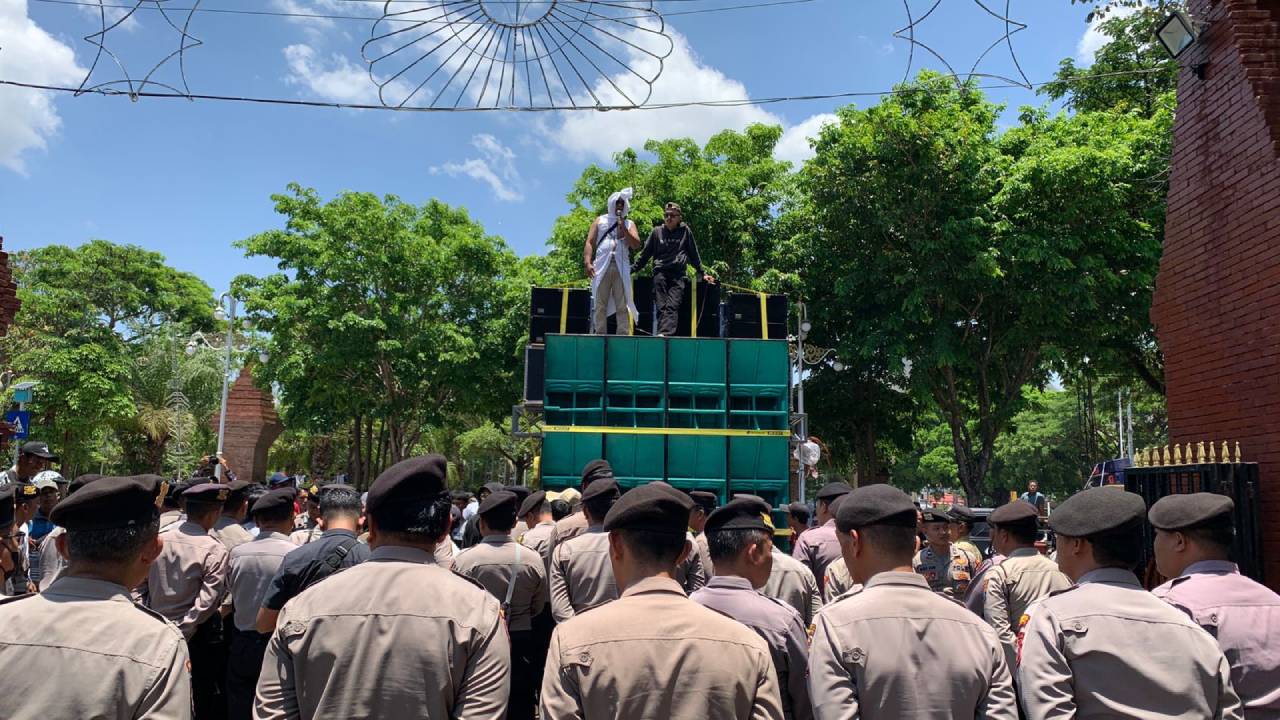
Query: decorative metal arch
(518, 54)
(131, 85)
(1011, 28)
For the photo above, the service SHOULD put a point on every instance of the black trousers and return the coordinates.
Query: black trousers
(244, 664)
(208, 650)
(526, 676)
(668, 293)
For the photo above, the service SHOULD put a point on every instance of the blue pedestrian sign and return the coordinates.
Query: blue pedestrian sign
(21, 422)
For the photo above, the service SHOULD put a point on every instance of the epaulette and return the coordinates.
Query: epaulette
(4, 600)
(1180, 578)
(855, 590)
(780, 603)
(156, 615)
(1056, 593)
(471, 580)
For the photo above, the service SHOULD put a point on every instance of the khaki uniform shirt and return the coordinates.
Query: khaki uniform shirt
(838, 581)
(230, 533)
(971, 551)
(52, 564)
(778, 624)
(818, 547)
(950, 575)
(397, 636)
(701, 547)
(1024, 577)
(187, 582)
(444, 554)
(896, 649)
(306, 535)
(1244, 617)
(655, 655)
(542, 539)
(568, 528)
(253, 566)
(692, 574)
(581, 575)
(1106, 648)
(492, 562)
(170, 519)
(793, 583)
(84, 649)
(519, 529)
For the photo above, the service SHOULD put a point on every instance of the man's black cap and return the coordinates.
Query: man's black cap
(111, 502)
(740, 513)
(460, 495)
(1183, 512)
(81, 481)
(596, 470)
(961, 513)
(1018, 511)
(273, 500)
(932, 515)
(603, 487)
(655, 507)
(878, 504)
(704, 499)
(417, 480)
(531, 503)
(798, 508)
(501, 501)
(25, 491)
(493, 487)
(520, 491)
(7, 510)
(1097, 510)
(39, 449)
(207, 493)
(831, 491)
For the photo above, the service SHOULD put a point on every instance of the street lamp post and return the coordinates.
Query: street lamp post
(801, 361)
(226, 310)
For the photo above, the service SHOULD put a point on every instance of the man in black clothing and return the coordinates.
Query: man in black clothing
(337, 548)
(672, 248)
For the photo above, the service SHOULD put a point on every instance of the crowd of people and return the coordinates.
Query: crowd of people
(222, 598)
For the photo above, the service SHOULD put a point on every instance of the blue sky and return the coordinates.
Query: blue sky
(188, 179)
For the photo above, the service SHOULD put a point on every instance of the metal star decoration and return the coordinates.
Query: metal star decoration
(131, 85)
(1011, 28)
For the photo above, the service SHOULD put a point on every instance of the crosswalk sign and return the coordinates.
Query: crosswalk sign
(21, 422)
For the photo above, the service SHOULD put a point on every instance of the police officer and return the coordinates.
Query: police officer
(52, 562)
(741, 545)
(704, 503)
(186, 584)
(253, 566)
(397, 636)
(818, 547)
(514, 575)
(1106, 647)
(521, 492)
(837, 581)
(83, 648)
(1193, 545)
(541, 535)
(335, 549)
(864, 658)
(962, 519)
(171, 515)
(1022, 578)
(307, 525)
(576, 524)
(947, 568)
(228, 529)
(653, 653)
(581, 576)
(792, 582)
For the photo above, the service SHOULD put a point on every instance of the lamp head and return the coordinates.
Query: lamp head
(1177, 33)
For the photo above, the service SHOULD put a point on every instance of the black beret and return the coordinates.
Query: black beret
(655, 507)
(961, 513)
(111, 502)
(81, 481)
(1182, 512)
(7, 510)
(412, 480)
(24, 491)
(704, 499)
(833, 490)
(237, 488)
(520, 491)
(207, 493)
(932, 515)
(877, 504)
(493, 487)
(798, 508)
(531, 503)
(600, 488)
(1014, 512)
(176, 489)
(740, 513)
(1097, 510)
(501, 501)
(596, 470)
(274, 499)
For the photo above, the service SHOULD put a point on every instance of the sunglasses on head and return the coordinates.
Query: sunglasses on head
(671, 214)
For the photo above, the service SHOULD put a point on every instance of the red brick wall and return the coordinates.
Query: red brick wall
(1217, 300)
(252, 426)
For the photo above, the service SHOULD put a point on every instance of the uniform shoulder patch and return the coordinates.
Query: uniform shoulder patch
(471, 580)
(1056, 593)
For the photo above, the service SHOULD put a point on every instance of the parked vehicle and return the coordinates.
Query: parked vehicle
(1108, 472)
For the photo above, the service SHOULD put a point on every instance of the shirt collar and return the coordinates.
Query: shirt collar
(898, 578)
(192, 528)
(1110, 576)
(730, 582)
(656, 584)
(88, 588)
(497, 539)
(402, 553)
(830, 523)
(1212, 567)
(272, 535)
(544, 523)
(336, 531)
(595, 528)
(1023, 552)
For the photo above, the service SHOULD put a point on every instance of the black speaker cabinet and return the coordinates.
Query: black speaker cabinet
(534, 372)
(744, 316)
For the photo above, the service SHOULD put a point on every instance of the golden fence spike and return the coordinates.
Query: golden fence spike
(1177, 454)
(1239, 459)
(1200, 456)
(1226, 452)
(1213, 453)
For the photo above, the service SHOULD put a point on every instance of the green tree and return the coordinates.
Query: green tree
(385, 314)
(487, 441)
(1130, 73)
(88, 313)
(966, 260)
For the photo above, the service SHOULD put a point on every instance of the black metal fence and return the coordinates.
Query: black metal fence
(1239, 481)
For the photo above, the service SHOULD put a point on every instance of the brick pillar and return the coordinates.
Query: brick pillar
(252, 426)
(9, 303)
(1217, 299)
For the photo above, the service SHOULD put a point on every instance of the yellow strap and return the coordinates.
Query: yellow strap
(564, 309)
(705, 432)
(764, 317)
(693, 310)
(630, 320)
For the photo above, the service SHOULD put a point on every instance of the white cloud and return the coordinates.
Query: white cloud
(1093, 39)
(794, 144)
(113, 14)
(335, 79)
(587, 135)
(30, 54)
(496, 168)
